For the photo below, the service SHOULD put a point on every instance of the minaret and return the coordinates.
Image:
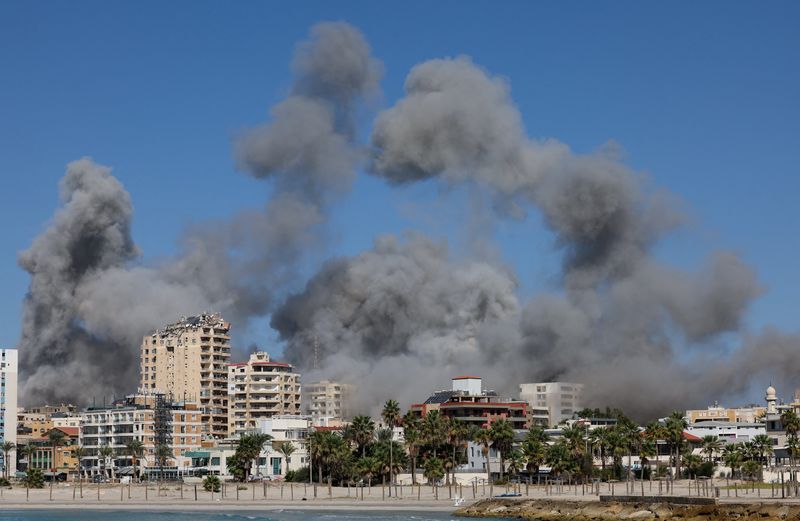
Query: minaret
(772, 400)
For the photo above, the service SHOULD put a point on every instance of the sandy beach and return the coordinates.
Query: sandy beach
(239, 497)
(298, 496)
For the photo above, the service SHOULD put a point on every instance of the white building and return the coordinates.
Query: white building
(476, 461)
(562, 399)
(729, 432)
(8, 405)
(286, 429)
(64, 420)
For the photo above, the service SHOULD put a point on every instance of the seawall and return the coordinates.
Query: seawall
(554, 510)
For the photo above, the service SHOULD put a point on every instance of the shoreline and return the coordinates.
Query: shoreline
(228, 506)
(222, 507)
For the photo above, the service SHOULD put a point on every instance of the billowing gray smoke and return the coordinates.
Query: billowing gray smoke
(459, 124)
(91, 301)
(89, 234)
(402, 318)
(624, 324)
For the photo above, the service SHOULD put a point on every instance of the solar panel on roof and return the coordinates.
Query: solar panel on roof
(440, 397)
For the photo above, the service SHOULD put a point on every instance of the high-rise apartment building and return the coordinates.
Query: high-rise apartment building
(259, 389)
(327, 402)
(8, 405)
(189, 361)
(562, 399)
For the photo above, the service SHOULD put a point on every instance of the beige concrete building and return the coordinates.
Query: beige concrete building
(716, 413)
(259, 389)
(38, 420)
(189, 361)
(561, 399)
(327, 402)
(64, 463)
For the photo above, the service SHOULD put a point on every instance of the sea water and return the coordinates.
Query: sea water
(285, 515)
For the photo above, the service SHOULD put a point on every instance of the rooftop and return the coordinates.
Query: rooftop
(722, 424)
(193, 322)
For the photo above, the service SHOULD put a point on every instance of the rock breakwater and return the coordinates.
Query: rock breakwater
(552, 510)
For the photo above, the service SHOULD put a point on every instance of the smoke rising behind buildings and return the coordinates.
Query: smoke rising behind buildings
(408, 309)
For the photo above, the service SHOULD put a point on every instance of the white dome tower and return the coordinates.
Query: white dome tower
(772, 400)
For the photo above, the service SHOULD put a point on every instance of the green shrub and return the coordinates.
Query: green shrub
(4, 482)
(212, 484)
(34, 479)
(297, 476)
(706, 469)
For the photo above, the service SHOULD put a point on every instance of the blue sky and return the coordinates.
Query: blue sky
(702, 96)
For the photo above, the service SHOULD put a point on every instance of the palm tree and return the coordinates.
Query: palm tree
(28, 451)
(515, 462)
(7, 447)
(559, 458)
(647, 450)
(484, 438)
(248, 450)
(793, 448)
(751, 469)
(599, 438)
(412, 438)
(632, 438)
(732, 456)
(457, 434)
(692, 463)
(56, 438)
(105, 452)
(711, 445)
(790, 421)
(534, 449)
(286, 449)
(135, 449)
(676, 424)
(368, 467)
(434, 469)
(763, 444)
(363, 432)
(78, 452)
(334, 453)
(502, 439)
(617, 447)
(163, 454)
(391, 416)
(655, 432)
(434, 427)
(315, 446)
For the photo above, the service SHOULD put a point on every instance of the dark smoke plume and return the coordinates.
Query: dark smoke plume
(91, 301)
(623, 323)
(89, 234)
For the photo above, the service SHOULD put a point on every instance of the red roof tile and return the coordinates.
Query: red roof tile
(691, 437)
